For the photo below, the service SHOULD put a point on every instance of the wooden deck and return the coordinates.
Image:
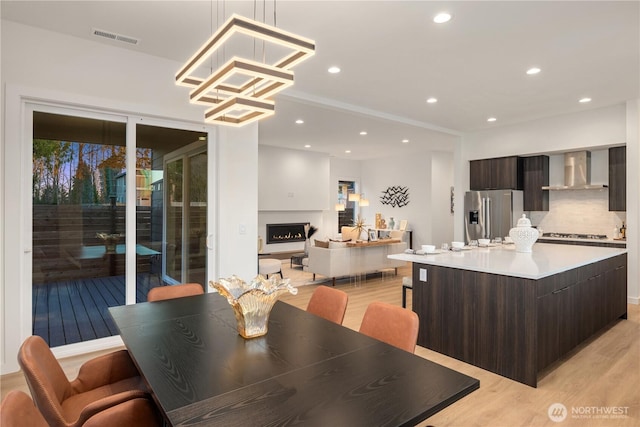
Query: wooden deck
(75, 310)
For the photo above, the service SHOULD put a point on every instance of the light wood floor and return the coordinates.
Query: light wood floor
(601, 374)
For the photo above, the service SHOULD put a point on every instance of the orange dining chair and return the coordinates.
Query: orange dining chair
(174, 291)
(102, 383)
(329, 303)
(394, 325)
(18, 410)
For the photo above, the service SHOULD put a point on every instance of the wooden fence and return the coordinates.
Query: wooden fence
(62, 233)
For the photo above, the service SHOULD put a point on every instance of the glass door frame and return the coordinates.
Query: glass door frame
(183, 153)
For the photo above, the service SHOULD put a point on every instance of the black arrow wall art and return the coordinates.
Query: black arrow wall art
(395, 196)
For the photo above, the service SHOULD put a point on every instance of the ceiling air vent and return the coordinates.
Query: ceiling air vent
(114, 36)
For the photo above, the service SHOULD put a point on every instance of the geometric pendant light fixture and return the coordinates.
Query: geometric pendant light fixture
(239, 91)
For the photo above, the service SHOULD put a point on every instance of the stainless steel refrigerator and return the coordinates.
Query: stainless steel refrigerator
(490, 214)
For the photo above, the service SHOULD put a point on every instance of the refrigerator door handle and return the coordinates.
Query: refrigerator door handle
(486, 213)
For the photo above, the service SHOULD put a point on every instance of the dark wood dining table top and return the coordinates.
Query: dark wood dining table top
(306, 370)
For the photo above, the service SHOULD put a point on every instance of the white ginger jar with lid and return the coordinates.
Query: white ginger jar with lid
(523, 235)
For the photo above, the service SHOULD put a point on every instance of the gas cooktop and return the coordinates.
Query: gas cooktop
(575, 236)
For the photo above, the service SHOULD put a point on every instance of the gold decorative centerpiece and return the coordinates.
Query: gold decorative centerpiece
(110, 241)
(252, 303)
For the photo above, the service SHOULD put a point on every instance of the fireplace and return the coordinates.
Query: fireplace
(285, 233)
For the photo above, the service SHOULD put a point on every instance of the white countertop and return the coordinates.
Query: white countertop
(545, 260)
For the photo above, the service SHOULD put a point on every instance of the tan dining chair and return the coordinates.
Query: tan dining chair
(102, 383)
(174, 291)
(18, 410)
(329, 303)
(394, 325)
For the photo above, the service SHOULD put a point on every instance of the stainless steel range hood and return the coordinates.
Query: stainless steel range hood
(577, 173)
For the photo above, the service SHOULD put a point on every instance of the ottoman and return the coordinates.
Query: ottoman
(267, 266)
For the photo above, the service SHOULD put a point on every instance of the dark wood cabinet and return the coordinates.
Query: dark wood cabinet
(578, 306)
(512, 326)
(502, 173)
(618, 179)
(536, 175)
(480, 174)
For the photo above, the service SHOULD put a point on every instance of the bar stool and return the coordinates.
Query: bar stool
(267, 266)
(407, 283)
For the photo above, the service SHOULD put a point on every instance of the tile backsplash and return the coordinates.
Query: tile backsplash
(580, 212)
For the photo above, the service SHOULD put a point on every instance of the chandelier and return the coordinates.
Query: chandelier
(241, 90)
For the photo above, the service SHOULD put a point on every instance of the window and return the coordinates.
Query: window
(347, 216)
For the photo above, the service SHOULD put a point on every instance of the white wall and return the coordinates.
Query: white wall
(293, 187)
(442, 179)
(633, 198)
(237, 202)
(292, 180)
(429, 177)
(50, 67)
(594, 130)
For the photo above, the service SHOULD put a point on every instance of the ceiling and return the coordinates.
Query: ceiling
(393, 57)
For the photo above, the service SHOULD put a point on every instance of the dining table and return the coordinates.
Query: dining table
(305, 370)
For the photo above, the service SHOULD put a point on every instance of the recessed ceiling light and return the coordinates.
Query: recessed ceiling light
(584, 100)
(307, 146)
(299, 121)
(533, 70)
(491, 119)
(334, 70)
(405, 141)
(347, 151)
(442, 17)
(364, 132)
(432, 100)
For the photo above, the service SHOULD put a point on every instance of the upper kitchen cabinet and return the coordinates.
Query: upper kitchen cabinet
(503, 173)
(618, 179)
(536, 175)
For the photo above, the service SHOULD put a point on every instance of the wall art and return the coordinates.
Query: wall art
(395, 196)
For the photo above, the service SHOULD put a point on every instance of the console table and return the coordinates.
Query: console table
(381, 232)
(364, 244)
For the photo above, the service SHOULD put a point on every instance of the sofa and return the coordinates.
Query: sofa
(340, 260)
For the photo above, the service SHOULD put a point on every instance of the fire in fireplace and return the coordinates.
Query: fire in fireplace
(285, 233)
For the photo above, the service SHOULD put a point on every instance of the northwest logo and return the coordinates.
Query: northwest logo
(557, 412)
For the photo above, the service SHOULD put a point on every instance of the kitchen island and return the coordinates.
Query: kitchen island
(516, 313)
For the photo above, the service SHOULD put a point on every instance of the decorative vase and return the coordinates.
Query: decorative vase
(392, 223)
(252, 303)
(523, 235)
(306, 246)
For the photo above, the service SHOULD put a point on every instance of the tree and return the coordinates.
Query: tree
(49, 158)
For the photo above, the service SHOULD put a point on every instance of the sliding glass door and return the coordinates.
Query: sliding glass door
(78, 224)
(89, 197)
